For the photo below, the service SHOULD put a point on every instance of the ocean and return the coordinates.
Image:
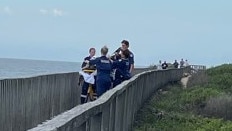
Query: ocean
(22, 68)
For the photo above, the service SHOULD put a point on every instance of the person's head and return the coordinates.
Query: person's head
(104, 50)
(160, 61)
(125, 53)
(92, 52)
(125, 44)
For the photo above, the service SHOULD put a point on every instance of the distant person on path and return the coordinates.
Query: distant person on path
(84, 67)
(104, 68)
(164, 65)
(159, 65)
(176, 64)
(186, 63)
(182, 63)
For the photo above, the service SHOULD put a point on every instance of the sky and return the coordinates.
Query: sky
(60, 30)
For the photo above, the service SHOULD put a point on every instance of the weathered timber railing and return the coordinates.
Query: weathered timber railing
(26, 102)
(115, 110)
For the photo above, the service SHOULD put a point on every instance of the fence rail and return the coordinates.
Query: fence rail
(198, 67)
(115, 110)
(26, 102)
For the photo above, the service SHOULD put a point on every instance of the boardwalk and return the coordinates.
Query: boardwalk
(115, 110)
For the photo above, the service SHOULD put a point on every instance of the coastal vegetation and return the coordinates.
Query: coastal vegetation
(200, 107)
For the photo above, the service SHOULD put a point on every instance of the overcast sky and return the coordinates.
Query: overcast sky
(64, 30)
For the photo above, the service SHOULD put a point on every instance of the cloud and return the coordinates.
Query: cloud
(57, 12)
(43, 11)
(53, 12)
(7, 10)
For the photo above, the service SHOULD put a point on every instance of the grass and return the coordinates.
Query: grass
(177, 108)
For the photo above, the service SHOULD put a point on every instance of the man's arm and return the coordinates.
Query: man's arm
(131, 68)
(83, 63)
(116, 54)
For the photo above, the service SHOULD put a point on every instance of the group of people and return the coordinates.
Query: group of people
(164, 65)
(110, 70)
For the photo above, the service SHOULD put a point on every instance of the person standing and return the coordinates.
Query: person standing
(104, 68)
(164, 65)
(159, 65)
(122, 67)
(85, 85)
(186, 63)
(176, 64)
(182, 63)
(91, 56)
(125, 46)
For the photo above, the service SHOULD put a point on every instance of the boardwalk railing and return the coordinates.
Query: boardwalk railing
(198, 67)
(198, 76)
(26, 102)
(115, 110)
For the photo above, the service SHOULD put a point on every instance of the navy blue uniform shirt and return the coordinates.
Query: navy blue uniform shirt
(122, 67)
(103, 65)
(131, 57)
(91, 66)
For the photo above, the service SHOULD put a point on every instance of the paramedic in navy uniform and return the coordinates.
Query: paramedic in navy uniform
(90, 67)
(122, 67)
(104, 67)
(125, 46)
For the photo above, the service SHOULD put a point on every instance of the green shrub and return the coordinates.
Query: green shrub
(178, 106)
(225, 68)
(219, 107)
(178, 99)
(221, 76)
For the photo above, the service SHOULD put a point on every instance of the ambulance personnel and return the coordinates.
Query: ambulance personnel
(125, 46)
(90, 67)
(104, 67)
(122, 67)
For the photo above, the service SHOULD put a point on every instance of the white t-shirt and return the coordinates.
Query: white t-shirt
(159, 67)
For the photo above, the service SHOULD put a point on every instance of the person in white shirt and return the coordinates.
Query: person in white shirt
(159, 65)
(182, 63)
(186, 63)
